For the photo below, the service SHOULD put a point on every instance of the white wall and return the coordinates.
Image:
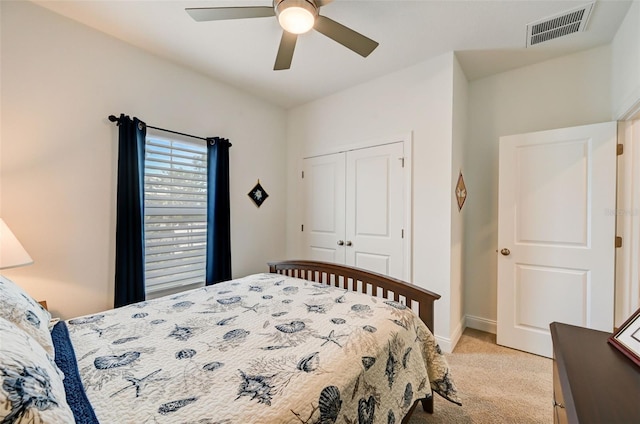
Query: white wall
(416, 100)
(60, 81)
(567, 91)
(459, 146)
(625, 81)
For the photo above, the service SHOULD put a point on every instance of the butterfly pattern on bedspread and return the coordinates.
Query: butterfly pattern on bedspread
(260, 349)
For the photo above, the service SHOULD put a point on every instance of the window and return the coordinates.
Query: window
(175, 216)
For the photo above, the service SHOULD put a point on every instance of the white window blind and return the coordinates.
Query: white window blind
(175, 220)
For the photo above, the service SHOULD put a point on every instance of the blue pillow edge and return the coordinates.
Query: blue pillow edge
(65, 359)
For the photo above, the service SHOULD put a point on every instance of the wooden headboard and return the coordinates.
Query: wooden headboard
(418, 299)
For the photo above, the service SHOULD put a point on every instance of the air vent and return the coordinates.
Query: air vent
(574, 20)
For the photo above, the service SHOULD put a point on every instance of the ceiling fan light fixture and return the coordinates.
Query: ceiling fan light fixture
(296, 16)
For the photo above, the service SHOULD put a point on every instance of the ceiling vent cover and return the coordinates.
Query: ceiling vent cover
(566, 23)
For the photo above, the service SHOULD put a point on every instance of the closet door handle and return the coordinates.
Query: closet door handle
(340, 242)
(349, 243)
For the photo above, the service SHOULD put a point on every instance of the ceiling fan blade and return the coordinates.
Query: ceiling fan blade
(321, 3)
(285, 51)
(202, 14)
(346, 36)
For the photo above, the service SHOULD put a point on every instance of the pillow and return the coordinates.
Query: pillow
(31, 390)
(19, 308)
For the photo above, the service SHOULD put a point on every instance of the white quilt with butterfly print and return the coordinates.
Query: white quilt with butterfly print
(260, 349)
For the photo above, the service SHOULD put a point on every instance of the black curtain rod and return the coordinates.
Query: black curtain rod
(179, 133)
(113, 118)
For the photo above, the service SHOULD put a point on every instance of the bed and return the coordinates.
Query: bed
(308, 342)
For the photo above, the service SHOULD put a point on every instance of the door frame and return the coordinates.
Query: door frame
(407, 140)
(627, 299)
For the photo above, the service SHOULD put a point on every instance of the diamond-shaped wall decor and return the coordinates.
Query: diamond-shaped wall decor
(461, 192)
(258, 194)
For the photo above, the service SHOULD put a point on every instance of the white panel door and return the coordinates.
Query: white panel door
(556, 233)
(324, 197)
(375, 209)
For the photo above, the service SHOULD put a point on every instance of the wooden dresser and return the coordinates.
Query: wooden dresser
(593, 382)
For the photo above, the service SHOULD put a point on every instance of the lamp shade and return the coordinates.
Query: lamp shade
(12, 254)
(296, 16)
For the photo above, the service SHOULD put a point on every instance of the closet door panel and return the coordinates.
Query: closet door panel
(375, 209)
(324, 206)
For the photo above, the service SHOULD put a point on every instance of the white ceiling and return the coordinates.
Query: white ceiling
(489, 37)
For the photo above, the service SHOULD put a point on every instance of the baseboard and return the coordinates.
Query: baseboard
(482, 324)
(448, 344)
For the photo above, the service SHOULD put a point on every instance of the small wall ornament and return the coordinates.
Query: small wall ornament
(258, 194)
(461, 192)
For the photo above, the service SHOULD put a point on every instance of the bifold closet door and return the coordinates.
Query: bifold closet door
(354, 208)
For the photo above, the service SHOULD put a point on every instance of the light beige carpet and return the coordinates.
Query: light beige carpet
(495, 384)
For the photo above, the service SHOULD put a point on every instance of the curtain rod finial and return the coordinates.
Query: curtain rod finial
(112, 118)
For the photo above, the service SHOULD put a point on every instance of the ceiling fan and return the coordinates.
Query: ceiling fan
(295, 17)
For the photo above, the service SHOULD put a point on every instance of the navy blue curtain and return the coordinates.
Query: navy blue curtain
(129, 285)
(218, 211)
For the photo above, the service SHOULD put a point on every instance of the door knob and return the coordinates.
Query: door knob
(340, 243)
(349, 243)
(505, 252)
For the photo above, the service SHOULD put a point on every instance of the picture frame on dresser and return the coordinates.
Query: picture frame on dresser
(627, 338)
